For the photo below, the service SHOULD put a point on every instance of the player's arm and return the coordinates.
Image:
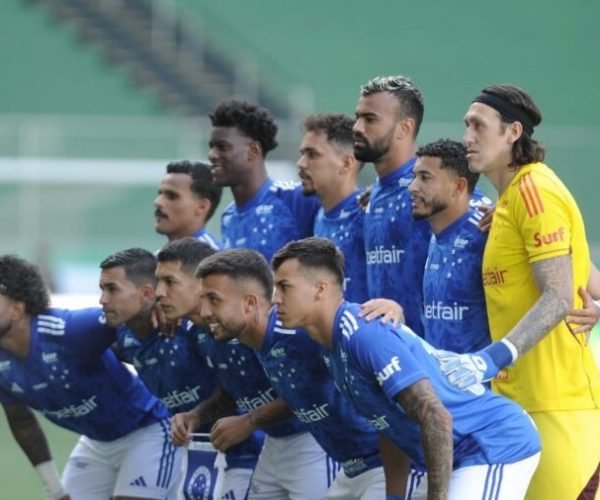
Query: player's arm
(31, 438)
(229, 431)
(218, 404)
(396, 467)
(553, 277)
(421, 403)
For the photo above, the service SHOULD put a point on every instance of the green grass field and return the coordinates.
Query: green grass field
(19, 482)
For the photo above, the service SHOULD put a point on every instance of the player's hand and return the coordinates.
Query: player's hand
(384, 309)
(364, 197)
(167, 328)
(465, 370)
(229, 431)
(488, 214)
(583, 320)
(182, 425)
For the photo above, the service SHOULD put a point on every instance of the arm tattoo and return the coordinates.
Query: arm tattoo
(27, 433)
(421, 403)
(272, 413)
(554, 278)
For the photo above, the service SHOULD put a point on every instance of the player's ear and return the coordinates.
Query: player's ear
(250, 303)
(17, 309)
(515, 130)
(254, 151)
(462, 185)
(203, 206)
(321, 288)
(147, 291)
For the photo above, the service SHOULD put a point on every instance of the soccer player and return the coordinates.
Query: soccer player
(169, 366)
(474, 444)
(295, 366)
(265, 214)
(187, 199)
(328, 169)
(57, 362)
(291, 463)
(389, 113)
(454, 313)
(535, 259)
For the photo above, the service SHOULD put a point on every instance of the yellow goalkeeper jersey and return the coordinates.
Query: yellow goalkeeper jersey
(537, 218)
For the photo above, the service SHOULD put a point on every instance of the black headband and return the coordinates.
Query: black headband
(508, 111)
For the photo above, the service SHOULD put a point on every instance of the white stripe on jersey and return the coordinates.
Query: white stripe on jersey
(51, 325)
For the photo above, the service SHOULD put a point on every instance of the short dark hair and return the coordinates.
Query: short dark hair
(202, 181)
(337, 127)
(314, 253)
(409, 97)
(526, 149)
(254, 122)
(139, 264)
(239, 264)
(453, 156)
(187, 251)
(23, 282)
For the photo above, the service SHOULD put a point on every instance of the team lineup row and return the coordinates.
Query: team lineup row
(376, 399)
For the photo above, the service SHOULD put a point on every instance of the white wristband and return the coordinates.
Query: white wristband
(49, 474)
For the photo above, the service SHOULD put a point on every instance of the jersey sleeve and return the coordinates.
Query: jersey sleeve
(544, 218)
(380, 353)
(303, 207)
(88, 332)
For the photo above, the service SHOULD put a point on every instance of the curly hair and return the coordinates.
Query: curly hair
(525, 149)
(254, 122)
(23, 282)
(453, 156)
(202, 182)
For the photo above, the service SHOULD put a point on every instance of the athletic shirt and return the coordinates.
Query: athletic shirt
(372, 363)
(454, 312)
(70, 377)
(396, 244)
(536, 218)
(276, 214)
(203, 235)
(343, 225)
(174, 371)
(242, 376)
(295, 366)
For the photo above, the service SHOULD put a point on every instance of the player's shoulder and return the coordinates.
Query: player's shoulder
(57, 321)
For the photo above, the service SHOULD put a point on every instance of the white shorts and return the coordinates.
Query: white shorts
(488, 482)
(292, 467)
(370, 485)
(141, 464)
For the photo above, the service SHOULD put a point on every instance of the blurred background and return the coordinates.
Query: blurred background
(96, 96)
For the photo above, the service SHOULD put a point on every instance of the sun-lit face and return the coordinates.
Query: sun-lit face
(177, 292)
(295, 294)
(176, 208)
(120, 298)
(222, 307)
(375, 126)
(489, 144)
(228, 155)
(431, 188)
(320, 164)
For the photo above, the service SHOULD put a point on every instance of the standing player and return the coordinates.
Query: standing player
(388, 117)
(393, 378)
(454, 313)
(168, 365)
(290, 454)
(265, 214)
(535, 259)
(187, 199)
(328, 169)
(56, 361)
(295, 366)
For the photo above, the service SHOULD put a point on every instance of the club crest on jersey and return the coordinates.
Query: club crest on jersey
(278, 352)
(49, 357)
(460, 242)
(264, 209)
(388, 370)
